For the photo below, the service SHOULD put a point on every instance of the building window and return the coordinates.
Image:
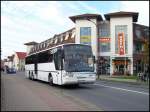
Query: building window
(85, 35)
(121, 29)
(104, 29)
(104, 47)
(138, 47)
(138, 32)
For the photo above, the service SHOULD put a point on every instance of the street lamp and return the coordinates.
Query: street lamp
(96, 40)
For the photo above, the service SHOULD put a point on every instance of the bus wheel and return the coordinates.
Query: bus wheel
(50, 79)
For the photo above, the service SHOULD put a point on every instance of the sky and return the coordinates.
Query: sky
(26, 21)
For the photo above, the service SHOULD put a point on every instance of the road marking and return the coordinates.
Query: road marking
(122, 89)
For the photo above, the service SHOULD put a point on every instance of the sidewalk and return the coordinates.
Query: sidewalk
(123, 80)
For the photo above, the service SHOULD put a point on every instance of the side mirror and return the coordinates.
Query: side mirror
(62, 54)
(94, 60)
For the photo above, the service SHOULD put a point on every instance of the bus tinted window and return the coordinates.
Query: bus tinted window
(45, 57)
(30, 59)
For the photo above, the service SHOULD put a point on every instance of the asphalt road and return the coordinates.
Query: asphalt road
(20, 93)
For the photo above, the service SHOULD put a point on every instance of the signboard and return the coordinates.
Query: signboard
(85, 40)
(121, 62)
(104, 39)
(121, 43)
(53, 51)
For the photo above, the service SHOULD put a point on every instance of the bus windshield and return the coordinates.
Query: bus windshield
(78, 58)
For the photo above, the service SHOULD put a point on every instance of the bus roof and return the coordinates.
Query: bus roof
(56, 47)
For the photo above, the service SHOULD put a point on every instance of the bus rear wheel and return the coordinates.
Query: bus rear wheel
(50, 78)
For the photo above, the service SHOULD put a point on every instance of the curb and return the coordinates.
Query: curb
(134, 83)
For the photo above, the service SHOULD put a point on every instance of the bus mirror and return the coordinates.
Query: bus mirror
(62, 54)
(94, 59)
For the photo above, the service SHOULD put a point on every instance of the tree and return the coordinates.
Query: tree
(146, 55)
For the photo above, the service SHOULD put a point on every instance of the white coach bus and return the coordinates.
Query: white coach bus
(62, 64)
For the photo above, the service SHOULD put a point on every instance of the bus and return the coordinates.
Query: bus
(63, 64)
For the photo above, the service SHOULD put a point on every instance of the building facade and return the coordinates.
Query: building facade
(117, 42)
(19, 61)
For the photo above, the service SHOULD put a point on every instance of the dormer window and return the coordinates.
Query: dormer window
(56, 40)
(67, 35)
(61, 38)
(73, 34)
(42, 45)
(45, 44)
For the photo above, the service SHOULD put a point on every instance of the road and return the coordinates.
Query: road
(21, 94)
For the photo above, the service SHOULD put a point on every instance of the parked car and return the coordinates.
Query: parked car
(11, 71)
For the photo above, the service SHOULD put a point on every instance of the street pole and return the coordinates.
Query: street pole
(96, 43)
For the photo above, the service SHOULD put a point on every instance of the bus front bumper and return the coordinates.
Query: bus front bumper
(79, 81)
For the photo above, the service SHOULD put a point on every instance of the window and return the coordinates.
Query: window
(138, 32)
(104, 29)
(58, 59)
(56, 40)
(104, 47)
(85, 35)
(66, 36)
(61, 38)
(31, 59)
(73, 34)
(121, 29)
(45, 57)
(138, 47)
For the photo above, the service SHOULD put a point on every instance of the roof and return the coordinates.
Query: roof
(122, 14)
(82, 16)
(31, 43)
(21, 55)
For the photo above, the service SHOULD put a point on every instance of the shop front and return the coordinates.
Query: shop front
(121, 66)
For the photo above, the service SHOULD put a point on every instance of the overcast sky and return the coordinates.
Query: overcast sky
(25, 21)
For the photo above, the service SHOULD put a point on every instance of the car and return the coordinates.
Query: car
(11, 71)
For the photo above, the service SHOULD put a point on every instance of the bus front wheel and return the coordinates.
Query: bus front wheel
(50, 78)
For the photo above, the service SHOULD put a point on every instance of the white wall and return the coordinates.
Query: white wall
(28, 48)
(86, 23)
(122, 21)
(15, 61)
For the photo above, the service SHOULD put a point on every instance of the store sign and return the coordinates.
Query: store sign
(117, 62)
(121, 43)
(104, 39)
(85, 40)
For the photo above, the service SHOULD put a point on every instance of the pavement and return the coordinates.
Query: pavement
(130, 81)
(21, 94)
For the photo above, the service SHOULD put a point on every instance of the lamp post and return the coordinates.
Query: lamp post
(96, 41)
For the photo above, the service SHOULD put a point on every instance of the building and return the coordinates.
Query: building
(8, 63)
(117, 42)
(19, 61)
